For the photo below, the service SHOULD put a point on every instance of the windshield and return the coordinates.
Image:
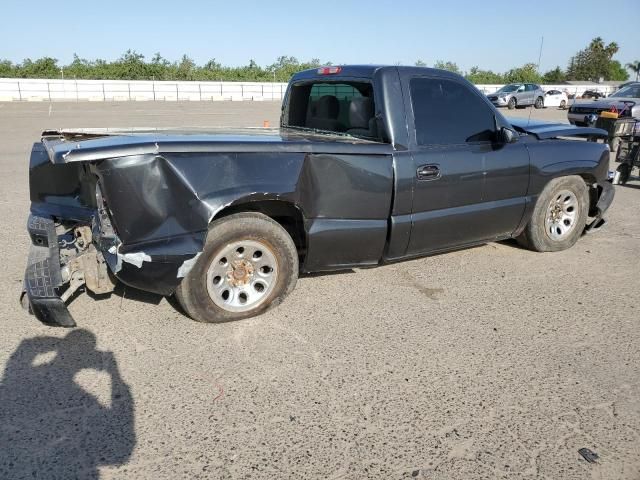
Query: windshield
(630, 91)
(510, 88)
(344, 107)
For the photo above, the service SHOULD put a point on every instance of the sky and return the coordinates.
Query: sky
(495, 35)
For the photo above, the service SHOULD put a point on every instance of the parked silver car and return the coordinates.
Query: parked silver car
(518, 95)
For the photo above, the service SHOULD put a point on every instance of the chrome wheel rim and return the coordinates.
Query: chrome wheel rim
(562, 214)
(242, 275)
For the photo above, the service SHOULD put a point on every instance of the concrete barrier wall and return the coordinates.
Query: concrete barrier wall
(16, 89)
(13, 89)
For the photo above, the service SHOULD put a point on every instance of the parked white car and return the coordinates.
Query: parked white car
(556, 98)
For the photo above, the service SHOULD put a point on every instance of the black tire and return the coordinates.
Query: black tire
(563, 105)
(535, 236)
(192, 293)
(512, 103)
(539, 103)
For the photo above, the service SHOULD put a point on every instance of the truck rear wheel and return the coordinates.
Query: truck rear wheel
(249, 263)
(559, 216)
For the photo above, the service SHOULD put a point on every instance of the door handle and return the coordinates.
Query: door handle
(428, 172)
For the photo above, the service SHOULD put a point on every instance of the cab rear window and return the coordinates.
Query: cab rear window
(341, 107)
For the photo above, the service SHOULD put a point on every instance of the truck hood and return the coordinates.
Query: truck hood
(607, 103)
(92, 144)
(544, 130)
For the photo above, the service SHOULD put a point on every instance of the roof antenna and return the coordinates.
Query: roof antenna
(538, 69)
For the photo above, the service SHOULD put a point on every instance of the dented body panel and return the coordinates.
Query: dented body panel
(161, 203)
(147, 197)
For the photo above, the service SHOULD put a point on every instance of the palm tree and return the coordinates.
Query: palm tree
(635, 67)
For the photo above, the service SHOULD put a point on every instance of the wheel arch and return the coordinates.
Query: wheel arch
(585, 169)
(558, 170)
(286, 213)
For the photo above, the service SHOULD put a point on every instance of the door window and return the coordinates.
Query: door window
(447, 112)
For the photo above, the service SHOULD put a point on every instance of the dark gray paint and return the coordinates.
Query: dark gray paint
(359, 203)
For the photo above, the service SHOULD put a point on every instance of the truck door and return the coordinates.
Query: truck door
(469, 188)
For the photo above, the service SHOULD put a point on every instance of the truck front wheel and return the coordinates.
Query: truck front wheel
(559, 216)
(249, 263)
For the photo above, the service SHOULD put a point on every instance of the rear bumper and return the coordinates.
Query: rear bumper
(55, 271)
(43, 278)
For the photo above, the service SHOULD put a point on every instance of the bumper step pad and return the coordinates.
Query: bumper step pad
(42, 279)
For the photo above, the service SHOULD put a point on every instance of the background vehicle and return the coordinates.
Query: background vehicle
(589, 94)
(556, 98)
(371, 165)
(624, 104)
(518, 95)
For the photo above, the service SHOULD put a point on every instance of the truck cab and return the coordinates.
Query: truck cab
(460, 174)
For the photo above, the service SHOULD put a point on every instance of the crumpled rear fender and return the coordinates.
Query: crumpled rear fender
(154, 212)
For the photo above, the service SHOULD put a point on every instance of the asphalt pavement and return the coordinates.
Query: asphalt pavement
(492, 362)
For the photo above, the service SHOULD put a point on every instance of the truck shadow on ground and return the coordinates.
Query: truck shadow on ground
(633, 186)
(129, 293)
(136, 295)
(50, 427)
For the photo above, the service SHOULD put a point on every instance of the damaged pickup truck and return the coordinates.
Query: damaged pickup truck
(371, 165)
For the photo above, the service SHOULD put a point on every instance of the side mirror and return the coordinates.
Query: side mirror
(507, 135)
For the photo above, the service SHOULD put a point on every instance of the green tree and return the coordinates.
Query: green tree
(7, 69)
(186, 69)
(45, 67)
(635, 68)
(527, 73)
(131, 66)
(483, 77)
(617, 72)
(80, 68)
(284, 67)
(556, 75)
(158, 68)
(212, 65)
(593, 62)
(420, 63)
(450, 66)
